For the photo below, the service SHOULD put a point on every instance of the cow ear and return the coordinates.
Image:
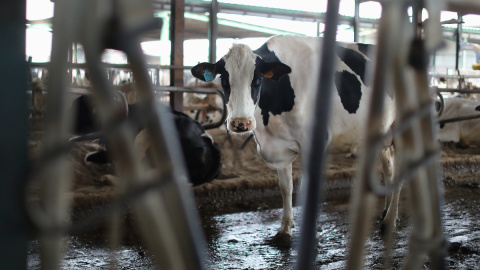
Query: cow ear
(207, 71)
(204, 71)
(272, 70)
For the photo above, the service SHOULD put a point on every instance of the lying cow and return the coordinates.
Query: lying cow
(269, 92)
(464, 133)
(202, 155)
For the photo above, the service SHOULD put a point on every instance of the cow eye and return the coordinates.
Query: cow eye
(258, 81)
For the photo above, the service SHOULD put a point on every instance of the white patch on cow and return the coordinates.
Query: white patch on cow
(240, 64)
(464, 132)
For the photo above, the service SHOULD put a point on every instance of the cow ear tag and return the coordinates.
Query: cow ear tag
(268, 74)
(208, 75)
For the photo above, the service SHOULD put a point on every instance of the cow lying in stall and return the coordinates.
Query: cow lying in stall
(202, 155)
(269, 92)
(463, 133)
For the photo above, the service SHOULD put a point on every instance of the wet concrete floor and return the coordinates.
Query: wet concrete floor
(239, 240)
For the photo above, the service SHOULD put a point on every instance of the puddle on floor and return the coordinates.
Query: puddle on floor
(239, 240)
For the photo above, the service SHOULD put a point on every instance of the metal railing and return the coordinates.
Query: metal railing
(159, 90)
(164, 213)
(416, 147)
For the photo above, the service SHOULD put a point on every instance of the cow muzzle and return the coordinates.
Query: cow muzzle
(240, 125)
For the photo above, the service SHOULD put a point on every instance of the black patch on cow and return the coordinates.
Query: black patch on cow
(276, 97)
(477, 108)
(201, 155)
(224, 78)
(256, 83)
(349, 90)
(266, 54)
(354, 60)
(364, 48)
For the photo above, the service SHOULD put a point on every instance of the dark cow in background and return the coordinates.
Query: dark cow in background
(201, 153)
(270, 91)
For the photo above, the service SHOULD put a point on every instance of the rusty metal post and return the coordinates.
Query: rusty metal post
(177, 25)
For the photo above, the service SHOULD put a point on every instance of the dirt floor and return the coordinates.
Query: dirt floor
(241, 209)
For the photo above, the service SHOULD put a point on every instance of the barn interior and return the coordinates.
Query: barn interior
(46, 180)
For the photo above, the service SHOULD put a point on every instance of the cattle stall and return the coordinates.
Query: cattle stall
(239, 210)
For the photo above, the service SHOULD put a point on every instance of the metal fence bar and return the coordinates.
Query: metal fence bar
(315, 154)
(109, 65)
(54, 173)
(363, 200)
(416, 146)
(166, 216)
(13, 137)
(457, 90)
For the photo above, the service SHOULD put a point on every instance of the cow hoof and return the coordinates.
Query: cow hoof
(281, 240)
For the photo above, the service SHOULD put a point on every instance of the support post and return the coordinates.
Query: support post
(213, 33)
(356, 21)
(313, 174)
(177, 25)
(458, 39)
(13, 138)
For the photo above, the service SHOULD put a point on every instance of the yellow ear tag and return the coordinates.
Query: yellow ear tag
(268, 75)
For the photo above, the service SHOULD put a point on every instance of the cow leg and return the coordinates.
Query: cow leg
(286, 186)
(390, 212)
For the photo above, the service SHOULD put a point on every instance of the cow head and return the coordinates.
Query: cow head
(241, 72)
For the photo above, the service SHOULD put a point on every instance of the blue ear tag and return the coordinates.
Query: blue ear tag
(208, 75)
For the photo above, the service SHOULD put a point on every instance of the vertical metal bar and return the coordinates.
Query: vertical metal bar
(356, 21)
(416, 17)
(213, 32)
(458, 39)
(177, 25)
(179, 219)
(55, 174)
(70, 60)
(13, 138)
(425, 189)
(314, 175)
(363, 200)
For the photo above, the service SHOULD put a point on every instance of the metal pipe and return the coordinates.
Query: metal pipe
(55, 173)
(457, 43)
(315, 154)
(13, 138)
(424, 189)
(356, 21)
(177, 27)
(457, 119)
(463, 91)
(213, 32)
(179, 215)
(363, 200)
(109, 65)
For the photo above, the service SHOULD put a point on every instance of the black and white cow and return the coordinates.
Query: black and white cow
(269, 92)
(463, 133)
(201, 154)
